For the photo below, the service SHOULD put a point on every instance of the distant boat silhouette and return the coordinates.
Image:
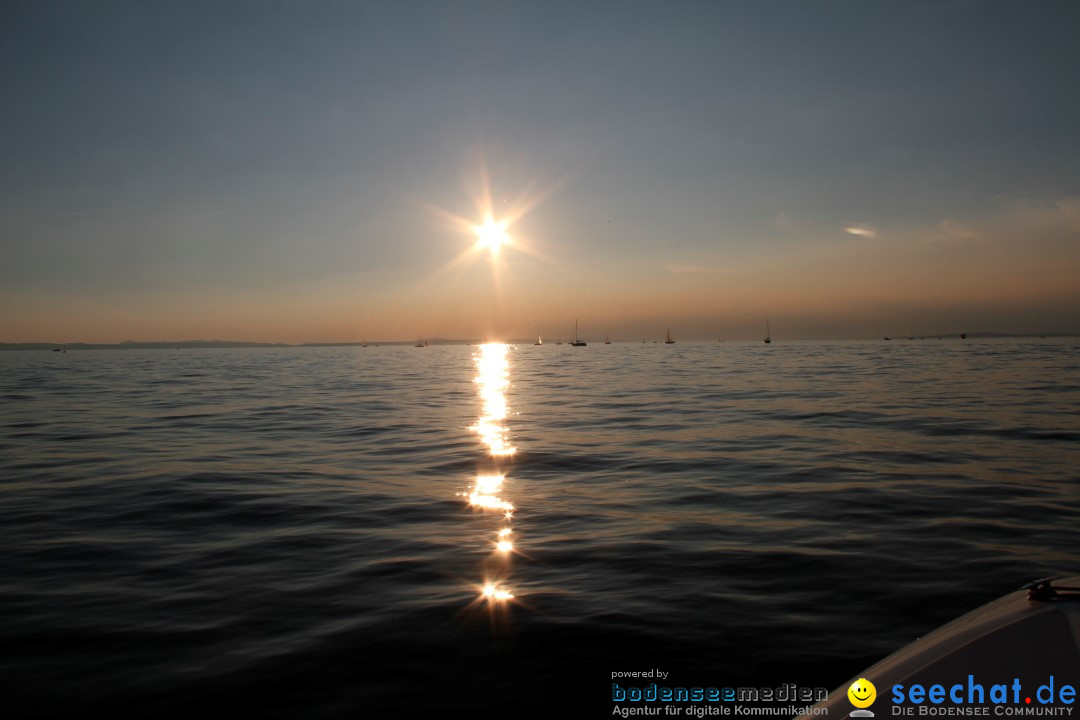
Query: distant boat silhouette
(538, 340)
(607, 340)
(668, 340)
(768, 333)
(558, 339)
(643, 340)
(420, 343)
(888, 338)
(963, 336)
(577, 342)
(56, 349)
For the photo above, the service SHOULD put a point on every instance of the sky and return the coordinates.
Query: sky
(314, 171)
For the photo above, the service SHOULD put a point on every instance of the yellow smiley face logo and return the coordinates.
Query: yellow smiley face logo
(862, 693)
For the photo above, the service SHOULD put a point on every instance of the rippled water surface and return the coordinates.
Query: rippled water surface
(308, 532)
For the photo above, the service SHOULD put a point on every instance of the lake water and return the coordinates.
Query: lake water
(309, 532)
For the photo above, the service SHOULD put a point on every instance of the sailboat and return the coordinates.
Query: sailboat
(668, 340)
(607, 340)
(538, 340)
(768, 333)
(420, 342)
(577, 342)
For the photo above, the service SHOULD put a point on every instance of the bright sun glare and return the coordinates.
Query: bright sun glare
(489, 227)
(491, 234)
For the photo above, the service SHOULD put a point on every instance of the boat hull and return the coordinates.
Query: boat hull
(1012, 637)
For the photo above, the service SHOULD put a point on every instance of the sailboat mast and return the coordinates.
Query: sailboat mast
(578, 342)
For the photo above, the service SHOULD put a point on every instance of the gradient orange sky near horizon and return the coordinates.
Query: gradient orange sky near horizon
(843, 172)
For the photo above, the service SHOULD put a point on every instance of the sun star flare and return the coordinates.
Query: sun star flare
(491, 234)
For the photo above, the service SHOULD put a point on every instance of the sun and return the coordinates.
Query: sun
(491, 235)
(488, 230)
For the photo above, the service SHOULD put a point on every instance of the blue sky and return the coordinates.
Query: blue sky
(284, 171)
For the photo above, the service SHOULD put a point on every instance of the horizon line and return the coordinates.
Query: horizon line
(34, 345)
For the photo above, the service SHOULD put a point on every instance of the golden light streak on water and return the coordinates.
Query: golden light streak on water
(483, 494)
(489, 484)
(493, 379)
(495, 592)
(504, 544)
(489, 502)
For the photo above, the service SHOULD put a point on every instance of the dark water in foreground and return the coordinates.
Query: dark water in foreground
(287, 532)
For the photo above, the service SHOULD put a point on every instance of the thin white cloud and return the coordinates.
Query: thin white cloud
(1023, 219)
(1061, 213)
(862, 230)
(952, 230)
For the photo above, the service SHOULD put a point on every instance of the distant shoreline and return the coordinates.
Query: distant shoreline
(209, 344)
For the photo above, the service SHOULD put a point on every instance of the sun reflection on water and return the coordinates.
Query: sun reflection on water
(495, 592)
(504, 544)
(493, 379)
